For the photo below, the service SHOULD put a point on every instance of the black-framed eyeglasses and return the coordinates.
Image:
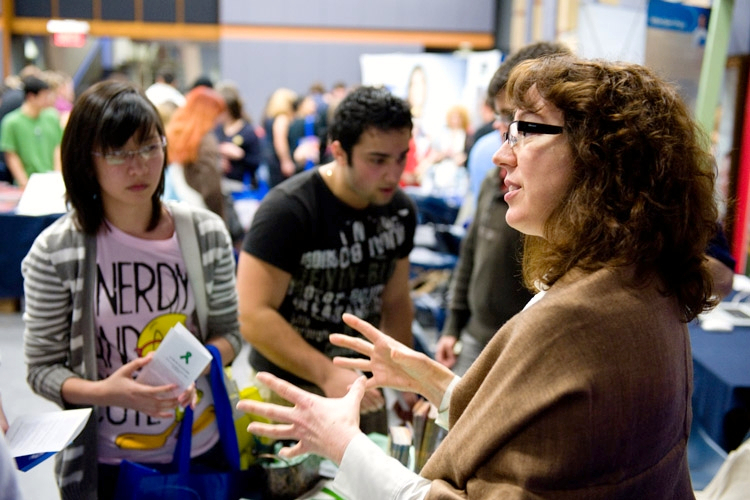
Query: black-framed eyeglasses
(518, 127)
(121, 157)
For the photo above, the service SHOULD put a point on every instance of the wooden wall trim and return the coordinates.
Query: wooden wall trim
(7, 20)
(179, 8)
(138, 10)
(446, 40)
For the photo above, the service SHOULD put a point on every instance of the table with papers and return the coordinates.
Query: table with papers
(23, 215)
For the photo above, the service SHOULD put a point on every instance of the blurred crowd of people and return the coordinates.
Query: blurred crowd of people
(214, 147)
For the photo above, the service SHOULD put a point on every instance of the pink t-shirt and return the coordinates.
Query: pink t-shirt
(143, 290)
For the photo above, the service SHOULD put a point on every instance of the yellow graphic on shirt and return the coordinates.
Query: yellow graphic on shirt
(153, 333)
(148, 341)
(135, 441)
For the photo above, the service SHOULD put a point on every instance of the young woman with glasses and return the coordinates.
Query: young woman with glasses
(108, 280)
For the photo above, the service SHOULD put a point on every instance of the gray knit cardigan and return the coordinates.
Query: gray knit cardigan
(59, 273)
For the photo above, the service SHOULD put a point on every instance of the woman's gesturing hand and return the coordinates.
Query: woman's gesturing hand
(323, 426)
(391, 363)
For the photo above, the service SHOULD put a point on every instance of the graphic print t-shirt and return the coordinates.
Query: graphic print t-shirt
(340, 258)
(143, 290)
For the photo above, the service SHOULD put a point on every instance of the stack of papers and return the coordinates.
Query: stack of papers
(34, 438)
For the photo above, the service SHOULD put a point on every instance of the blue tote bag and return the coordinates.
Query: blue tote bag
(185, 482)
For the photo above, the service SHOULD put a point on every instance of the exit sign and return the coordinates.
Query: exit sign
(68, 32)
(69, 39)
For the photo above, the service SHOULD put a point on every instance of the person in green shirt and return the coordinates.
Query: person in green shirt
(30, 135)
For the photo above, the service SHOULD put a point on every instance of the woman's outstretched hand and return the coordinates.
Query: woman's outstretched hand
(323, 426)
(391, 363)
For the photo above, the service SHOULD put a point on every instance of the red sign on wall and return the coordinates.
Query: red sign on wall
(76, 40)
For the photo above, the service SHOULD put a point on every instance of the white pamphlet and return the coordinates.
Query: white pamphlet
(179, 360)
(35, 437)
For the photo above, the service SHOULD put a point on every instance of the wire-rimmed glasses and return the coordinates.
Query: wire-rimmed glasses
(121, 157)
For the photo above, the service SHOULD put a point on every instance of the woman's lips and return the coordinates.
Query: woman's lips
(511, 190)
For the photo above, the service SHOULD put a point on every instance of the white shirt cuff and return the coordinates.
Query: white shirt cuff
(443, 418)
(367, 473)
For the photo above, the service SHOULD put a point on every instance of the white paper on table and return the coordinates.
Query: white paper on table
(179, 360)
(44, 194)
(45, 432)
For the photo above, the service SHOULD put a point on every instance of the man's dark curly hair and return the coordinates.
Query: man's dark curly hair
(532, 51)
(364, 108)
(643, 177)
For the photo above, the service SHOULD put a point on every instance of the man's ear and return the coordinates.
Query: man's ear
(338, 153)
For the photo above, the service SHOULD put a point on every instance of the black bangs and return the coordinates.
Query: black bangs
(128, 115)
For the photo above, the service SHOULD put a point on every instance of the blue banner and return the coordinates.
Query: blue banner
(677, 16)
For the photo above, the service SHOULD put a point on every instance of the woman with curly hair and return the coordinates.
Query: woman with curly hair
(585, 394)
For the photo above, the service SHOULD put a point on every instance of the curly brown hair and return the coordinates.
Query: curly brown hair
(643, 178)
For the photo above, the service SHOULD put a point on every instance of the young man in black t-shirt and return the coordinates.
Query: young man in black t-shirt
(330, 240)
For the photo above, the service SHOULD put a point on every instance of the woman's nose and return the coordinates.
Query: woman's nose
(504, 157)
(135, 164)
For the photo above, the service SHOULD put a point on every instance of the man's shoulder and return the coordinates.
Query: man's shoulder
(8, 125)
(487, 141)
(13, 117)
(303, 185)
(296, 198)
(481, 154)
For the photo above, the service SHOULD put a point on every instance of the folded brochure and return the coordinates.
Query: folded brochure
(33, 438)
(179, 359)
